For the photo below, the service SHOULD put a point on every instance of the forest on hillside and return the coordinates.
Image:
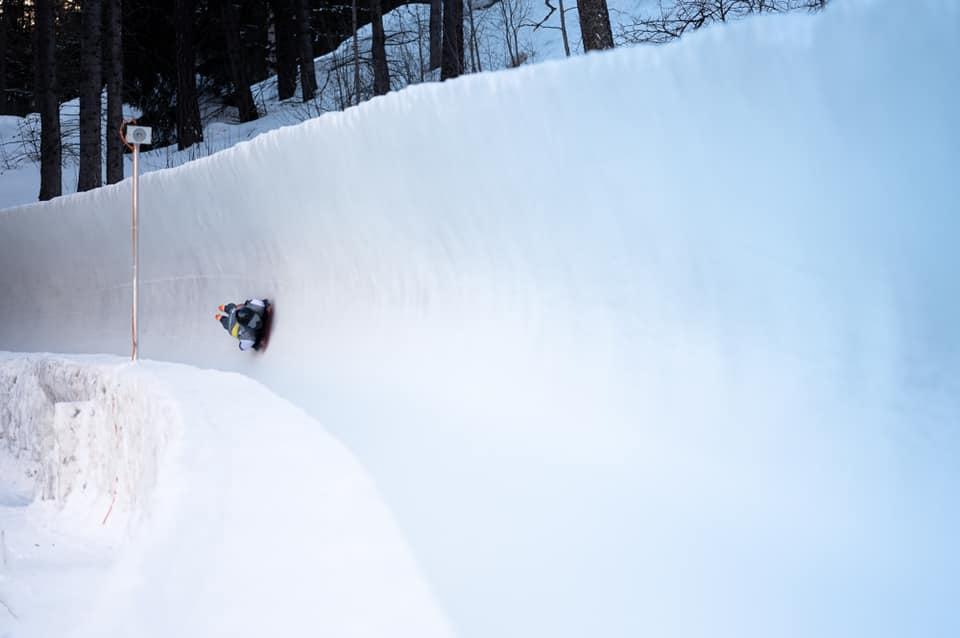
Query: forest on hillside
(173, 60)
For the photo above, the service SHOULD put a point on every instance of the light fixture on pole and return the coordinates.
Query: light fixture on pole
(133, 138)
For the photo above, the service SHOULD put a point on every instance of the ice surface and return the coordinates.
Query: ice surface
(656, 342)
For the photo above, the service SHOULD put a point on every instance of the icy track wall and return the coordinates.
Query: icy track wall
(81, 436)
(656, 342)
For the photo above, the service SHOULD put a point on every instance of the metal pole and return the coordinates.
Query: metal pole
(136, 257)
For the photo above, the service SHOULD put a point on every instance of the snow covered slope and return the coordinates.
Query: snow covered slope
(655, 342)
(248, 519)
(407, 27)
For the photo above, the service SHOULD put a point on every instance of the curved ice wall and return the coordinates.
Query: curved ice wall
(656, 342)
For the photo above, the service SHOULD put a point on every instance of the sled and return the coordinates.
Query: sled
(264, 339)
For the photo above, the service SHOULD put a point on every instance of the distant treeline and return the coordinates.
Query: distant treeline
(150, 54)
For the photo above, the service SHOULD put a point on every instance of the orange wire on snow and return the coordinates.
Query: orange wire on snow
(112, 503)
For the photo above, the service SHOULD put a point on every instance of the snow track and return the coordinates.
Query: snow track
(248, 518)
(656, 342)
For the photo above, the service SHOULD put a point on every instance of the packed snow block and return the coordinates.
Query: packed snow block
(74, 434)
(24, 410)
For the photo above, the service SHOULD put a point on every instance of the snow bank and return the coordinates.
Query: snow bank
(80, 450)
(661, 341)
(79, 432)
(251, 520)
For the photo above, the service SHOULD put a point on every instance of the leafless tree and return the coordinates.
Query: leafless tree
(46, 89)
(515, 16)
(436, 30)
(3, 60)
(673, 18)
(91, 170)
(422, 68)
(356, 54)
(189, 127)
(563, 23)
(409, 47)
(595, 25)
(378, 50)
(285, 28)
(246, 107)
(563, 28)
(452, 58)
(488, 34)
(476, 65)
(114, 68)
(308, 75)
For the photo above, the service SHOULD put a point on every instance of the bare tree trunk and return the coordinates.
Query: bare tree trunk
(189, 127)
(436, 29)
(423, 67)
(246, 108)
(381, 74)
(308, 75)
(459, 22)
(287, 54)
(563, 29)
(595, 25)
(90, 174)
(114, 48)
(46, 90)
(271, 40)
(474, 49)
(356, 56)
(3, 63)
(507, 24)
(451, 60)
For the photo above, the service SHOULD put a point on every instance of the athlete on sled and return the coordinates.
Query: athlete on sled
(248, 322)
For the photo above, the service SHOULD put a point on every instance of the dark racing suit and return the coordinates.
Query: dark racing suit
(245, 321)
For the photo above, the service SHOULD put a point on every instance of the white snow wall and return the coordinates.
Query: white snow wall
(656, 342)
(82, 434)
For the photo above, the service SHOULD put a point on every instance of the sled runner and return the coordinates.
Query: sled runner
(264, 339)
